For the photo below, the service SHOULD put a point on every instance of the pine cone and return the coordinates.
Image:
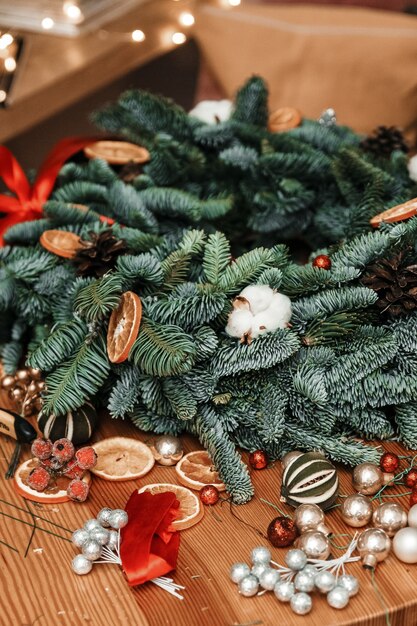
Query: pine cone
(395, 282)
(384, 140)
(99, 254)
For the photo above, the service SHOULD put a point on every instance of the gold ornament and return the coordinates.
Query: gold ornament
(373, 546)
(368, 478)
(310, 517)
(391, 517)
(7, 382)
(356, 510)
(17, 394)
(23, 376)
(315, 544)
(33, 388)
(35, 374)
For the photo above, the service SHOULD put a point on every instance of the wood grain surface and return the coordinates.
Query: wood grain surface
(38, 586)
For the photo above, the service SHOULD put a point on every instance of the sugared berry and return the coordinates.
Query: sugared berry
(73, 470)
(63, 450)
(38, 479)
(42, 448)
(86, 457)
(78, 490)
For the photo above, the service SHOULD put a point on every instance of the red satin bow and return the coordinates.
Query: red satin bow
(149, 545)
(30, 199)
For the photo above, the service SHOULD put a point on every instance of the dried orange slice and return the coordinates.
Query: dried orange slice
(396, 213)
(191, 511)
(117, 152)
(122, 458)
(123, 327)
(57, 492)
(60, 242)
(284, 119)
(196, 470)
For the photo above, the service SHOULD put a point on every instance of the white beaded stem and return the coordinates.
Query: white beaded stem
(337, 566)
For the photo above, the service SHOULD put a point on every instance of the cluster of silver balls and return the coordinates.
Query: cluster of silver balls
(294, 583)
(98, 538)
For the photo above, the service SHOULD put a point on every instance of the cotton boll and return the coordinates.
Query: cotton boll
(213, 111)
(282, 306)
(259, 297)
(412, 168)
(277, 315)
(239, 323)
(241, 303)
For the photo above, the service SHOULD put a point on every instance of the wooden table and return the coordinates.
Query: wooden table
(38, 586)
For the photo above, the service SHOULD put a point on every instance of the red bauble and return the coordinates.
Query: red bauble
(413, 497)
(410, 479)
(322, 261)
(209, 495)
(258, 459)
(389, 462)
(282, 532)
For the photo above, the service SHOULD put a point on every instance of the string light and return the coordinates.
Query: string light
(5, 41)
(3, 95)
(186, 19)
(10, 64)
(72, 11)
(47, 23)
(138, 35)
(178, 38)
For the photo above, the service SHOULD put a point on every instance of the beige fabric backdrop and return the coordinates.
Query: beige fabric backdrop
(361, 62)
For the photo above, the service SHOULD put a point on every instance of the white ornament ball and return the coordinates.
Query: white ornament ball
(325, 581)
(92, 550)
(269, 578)
(404, 545)
(284, 590)
(304, 581)
(249, 586)
(104, 516)
(301, 603)
(113, 542)
(212, 111)
(261, 554)
(81, 565)
(296, 559)
(412, 516)
(258, 569)
(118, 519)
(350, 583)
(101, 535)
(238, 571)
(338, 597)
(412, 168)
(79, 537)
(91, 524)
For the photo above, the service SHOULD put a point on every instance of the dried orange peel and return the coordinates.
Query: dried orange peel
(284, 118)
(124, 327)
(191, 510)
(61, 243)
(195, 470)
(396, 213)
(52, 495)
(122, 458)
(117, 152)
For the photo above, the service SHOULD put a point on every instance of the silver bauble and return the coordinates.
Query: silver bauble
(269, 578)
(404, 545)
(391, 517)
(167, 450)
(373, 546)
(350, 583)
(238, 571)
(101, 535)
(79, 537)
(368, 478)
(118, 519)
(289, 458)
(260, 554)
(91, 524)
(311, 569)
(81, 565)
(104, 516)
(314, 544)
(325, 581)
(249, 586)
(296, 559)
(92, 550)
(113, 542)
(304, 581)
(284, 590)
(356, 510)
(301, 603)
(258, 569)
(338, 597)
(310, 517)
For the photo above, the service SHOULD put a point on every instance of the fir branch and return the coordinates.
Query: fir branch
(99, 298)
(58, 346)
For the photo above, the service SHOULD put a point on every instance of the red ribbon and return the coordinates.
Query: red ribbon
(29, 200)
(149, 545)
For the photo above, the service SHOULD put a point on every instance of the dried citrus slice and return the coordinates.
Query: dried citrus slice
(124, 327)
(396, 213)
(196, 470)
(117, 152)
(60, 242)
(56, 492)
(191, 511)
(284, 119)
(122, 458)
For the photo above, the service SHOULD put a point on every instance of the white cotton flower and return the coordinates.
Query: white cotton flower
(239, 323)
(277, 315)
(213, 111)
(412, 168)
(258, 296)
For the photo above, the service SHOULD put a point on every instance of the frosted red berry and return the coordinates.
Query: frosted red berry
(42, 448)
(258, 459)
(86, 457)
(73, 470)
(410, 479)
(38, 479)
(389, 462)
(63, 450)
(78, 490)
(209, 495)
(322, 261)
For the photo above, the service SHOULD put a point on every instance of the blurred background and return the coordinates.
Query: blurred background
(61, 59)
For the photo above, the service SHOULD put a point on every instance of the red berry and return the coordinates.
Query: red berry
(86, 457)
(322, 261)
(63, 450)
(42, 448)
(38, 479)
(209, 495)
(389, 462)
(78, 490)
(73, 470)
(410, 478)
(258, 459)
